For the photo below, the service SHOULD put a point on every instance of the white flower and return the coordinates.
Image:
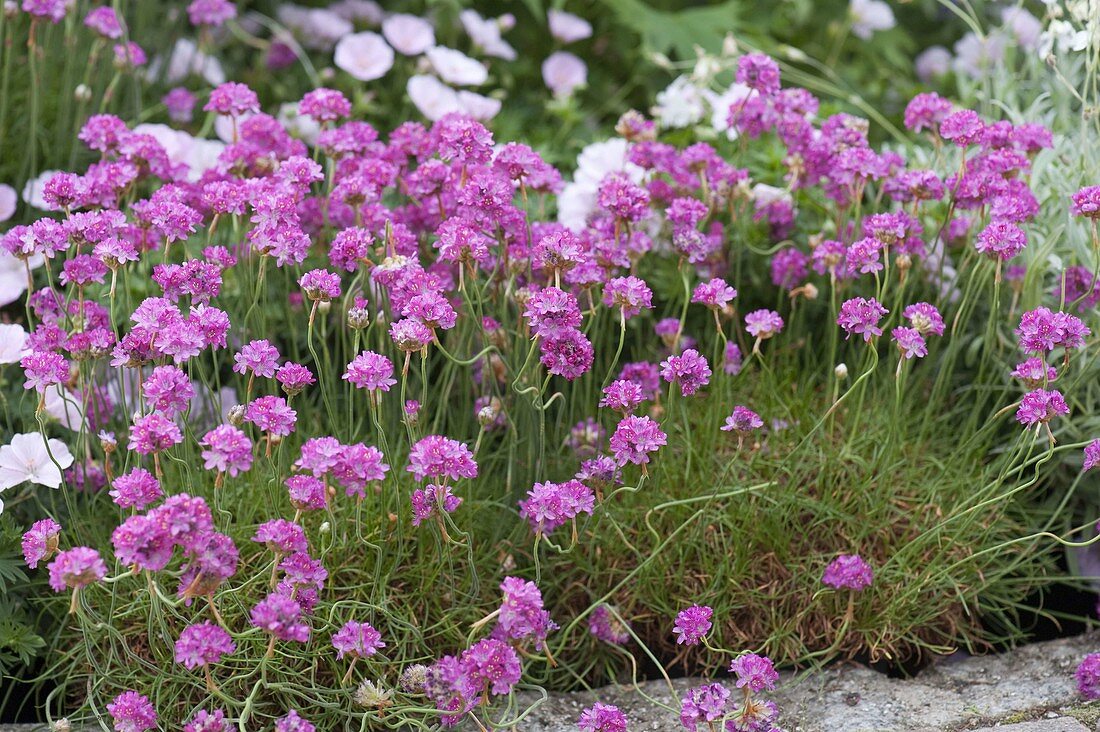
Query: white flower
(432, 97)
(1062, 36)
(679, 105)
(933, 61)
(478, 106)
(13, 342)
(26, 459)
(65, 407)
(13, 276)
(302, 126)
(596, 161)
(408, 34)
(567, 27)
(366, 56)
(365, 11)
(1025, 26)
(198, 154)
(486, 35)
(185, 60)
(720, 107)
(32, 190)
(975, 56)
(318, 28)
(455, 67)
(869, 16)
(8, 200)
(563, 72)
(764, 195)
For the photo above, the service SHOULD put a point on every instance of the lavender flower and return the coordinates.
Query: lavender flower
(692, 624)
(848, 571)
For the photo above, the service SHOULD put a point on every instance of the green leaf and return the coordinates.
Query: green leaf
(679, 32)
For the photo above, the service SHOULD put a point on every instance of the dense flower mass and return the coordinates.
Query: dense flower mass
(226, 325)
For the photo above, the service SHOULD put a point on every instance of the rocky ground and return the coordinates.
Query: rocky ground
(1027, 690)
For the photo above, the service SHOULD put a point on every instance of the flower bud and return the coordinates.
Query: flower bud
(82, 93)
(358, 318)
(841, 371)
(236, 415)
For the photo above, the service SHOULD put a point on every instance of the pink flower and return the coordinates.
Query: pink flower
(441, 457)
(280, 616)
(550, 505)
(1040, 406)
(202, 644)
(258, 357)
(357, 640)
(743, 421)
(910, 342)
(233, 99)
(763, 324)
(1092, 456)
(635, 438)
(630, 295)
(132, 712)
(271, 414)
(78, 567)
(690, 370)
(848, 571)
(755, 672)
(860, 316)
(154, 433)
(370, 371)
(759, 72)
(136, 489)
(40, 542)
(715, 294)
(692, 624)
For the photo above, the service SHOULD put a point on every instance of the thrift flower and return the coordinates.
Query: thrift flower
(629, 295)
(692, 624)
(755, 672)
(1088, 676)
(606, 627)
(763, 324)
(40, 542)
(1040, 406)
(132, 712)
(280, 616)
(1092, 458)
(602, 718)
(356, 639)
(370, 371)
(635, 438)
(743, 421)
(202, 644)
(76, 568)
(861, 316)
(550, 505)
(690, 370)
(910, 342)
(441, 457)
(136, 489)
(848, 571)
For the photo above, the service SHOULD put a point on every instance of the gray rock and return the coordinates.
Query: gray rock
(1030, 689)
(959, 692)
(1060, 724)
